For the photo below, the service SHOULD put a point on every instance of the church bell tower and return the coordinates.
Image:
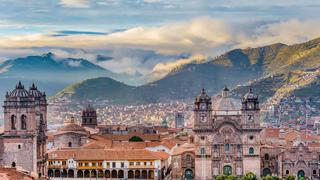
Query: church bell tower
(251, 128)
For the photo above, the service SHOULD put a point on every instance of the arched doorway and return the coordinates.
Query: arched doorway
(87, 174)
(70, 173)
(114, 174)
(107, 174)
(50, 173)
(100, 174)
(300, 174)
(137, 174)
(151, 174)
(57, 173)
(120, 174)
(188, 174)
(130, 174)
(144, 174)
(266, 172)
(79, 174)
(227, 170)
(64, 173)
(93, 174)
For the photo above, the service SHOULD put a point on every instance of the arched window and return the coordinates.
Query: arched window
(226, 147)
(69, 144)
(203, 151)
(251, 151)
(188, 157)
(13, 122)
(23, 122)
(266, 156)
(239, 147)
(13, 164)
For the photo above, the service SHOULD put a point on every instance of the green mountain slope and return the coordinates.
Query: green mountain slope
(273, 68)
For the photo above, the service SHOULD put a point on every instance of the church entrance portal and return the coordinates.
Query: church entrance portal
(188, 174)
(227, 170)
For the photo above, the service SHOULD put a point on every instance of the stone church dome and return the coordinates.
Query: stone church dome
(72, 126)
(19, 91)
(34, 91)
(226, 105)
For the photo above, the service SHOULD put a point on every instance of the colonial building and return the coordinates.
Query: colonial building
(106, 163)
(226, 136)
(25, 126)
(229, 140)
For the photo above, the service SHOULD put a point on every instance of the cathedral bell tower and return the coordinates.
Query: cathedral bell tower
(251, 133)
(203, 135)
(250, 110)
(202, 111)
(25, 126)
(89, 117)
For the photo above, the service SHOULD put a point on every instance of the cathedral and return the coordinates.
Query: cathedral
(24, 138)
(226, 137)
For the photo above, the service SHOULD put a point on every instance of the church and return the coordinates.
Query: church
(226, 137)
(23, 142)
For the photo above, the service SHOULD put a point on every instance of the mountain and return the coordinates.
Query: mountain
(103, 88)
(269, 65)
(271, 89)
(50, 73)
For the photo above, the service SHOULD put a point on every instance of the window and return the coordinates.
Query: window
(19, 146)
(287, 171)
(64, 162)
(151, 163)
(266, 157)
(131, 163)
(239, 147)
(188, 157)
(69, 144)
(203, 138)
(138, 163)
(13, 122)
(215, 146)
(203, 151)
(314, 172)
(251, 137)
(23, 122)
(227, 147)
(145, 163)
(122, 164)
(108, 164)
(251, 151)
(113, 165)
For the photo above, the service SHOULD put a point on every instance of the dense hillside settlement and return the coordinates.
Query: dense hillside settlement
(227, 138)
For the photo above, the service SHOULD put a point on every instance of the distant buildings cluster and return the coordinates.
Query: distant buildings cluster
(226, 139)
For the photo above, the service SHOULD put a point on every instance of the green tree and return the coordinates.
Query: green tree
(231, 177)
(249, 176)
(221, 177)
(290, 177)
(135, 139)
(268, 177)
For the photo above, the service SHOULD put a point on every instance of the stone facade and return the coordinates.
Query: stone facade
(25, 126)
(226, 137)
(89, 117)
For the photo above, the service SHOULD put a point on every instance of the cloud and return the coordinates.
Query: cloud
(162, 69)
(287, 32)
(158, 49)
(199, 35)
(75, 3)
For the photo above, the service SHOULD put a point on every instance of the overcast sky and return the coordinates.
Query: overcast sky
(162, 30)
